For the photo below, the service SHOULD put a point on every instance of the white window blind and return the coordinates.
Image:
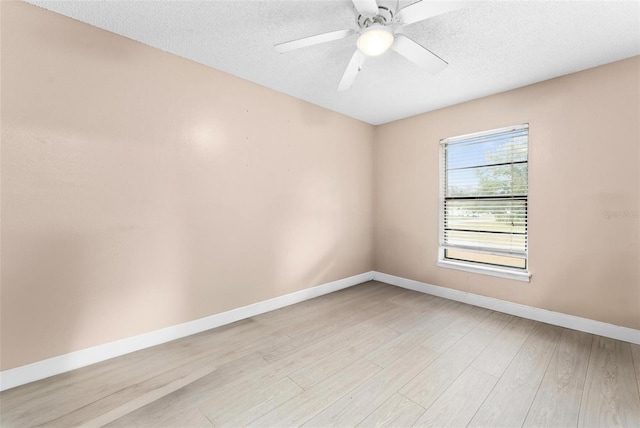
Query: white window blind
(484, 195)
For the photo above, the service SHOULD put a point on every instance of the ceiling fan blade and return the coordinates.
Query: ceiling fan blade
(313, 40)
(366, 7)
(355, 65)
(418, 55)
(426, 9)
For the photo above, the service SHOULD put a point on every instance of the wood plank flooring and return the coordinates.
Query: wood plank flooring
(370, 355)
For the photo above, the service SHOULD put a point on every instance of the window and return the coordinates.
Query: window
(483, 202)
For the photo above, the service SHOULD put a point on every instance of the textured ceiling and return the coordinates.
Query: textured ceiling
(490, 46)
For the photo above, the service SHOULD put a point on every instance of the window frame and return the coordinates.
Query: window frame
(520, 274)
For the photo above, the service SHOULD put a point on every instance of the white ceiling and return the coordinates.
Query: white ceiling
(490, 46)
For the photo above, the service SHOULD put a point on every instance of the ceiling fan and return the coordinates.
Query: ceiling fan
(381, 25)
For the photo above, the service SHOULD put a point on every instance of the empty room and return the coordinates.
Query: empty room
(321, 213)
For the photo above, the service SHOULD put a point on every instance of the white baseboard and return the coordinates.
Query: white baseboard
(77, 359)
(556, 318)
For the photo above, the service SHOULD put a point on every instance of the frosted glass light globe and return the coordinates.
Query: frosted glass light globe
(375, 40)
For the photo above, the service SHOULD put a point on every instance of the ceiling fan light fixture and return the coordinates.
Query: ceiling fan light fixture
(375, 40)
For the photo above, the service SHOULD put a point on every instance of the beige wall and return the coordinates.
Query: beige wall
(142, 190)
(584, 159)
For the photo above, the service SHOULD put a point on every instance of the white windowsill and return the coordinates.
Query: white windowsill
(486, 270)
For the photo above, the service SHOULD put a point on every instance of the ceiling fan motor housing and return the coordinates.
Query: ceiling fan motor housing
(385, 16)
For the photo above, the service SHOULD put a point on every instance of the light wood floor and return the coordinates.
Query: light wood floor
(370, 355)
